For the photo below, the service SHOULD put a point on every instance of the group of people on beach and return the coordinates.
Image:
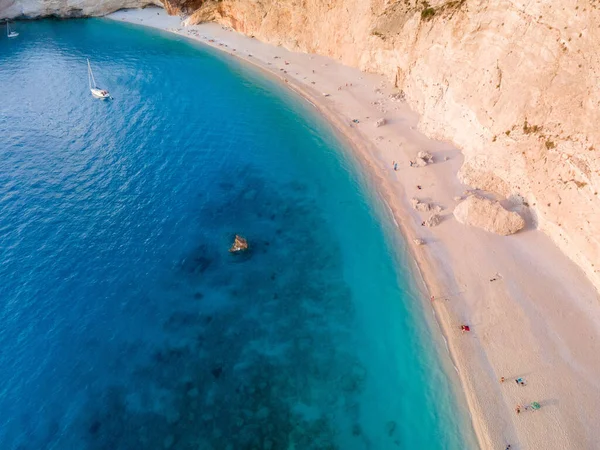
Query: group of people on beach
(520, 381)
(531, 406)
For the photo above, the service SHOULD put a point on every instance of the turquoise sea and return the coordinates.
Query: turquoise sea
(125, 323)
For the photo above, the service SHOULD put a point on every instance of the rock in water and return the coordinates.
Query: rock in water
(239, 244)
(488, 214)
(168, 442)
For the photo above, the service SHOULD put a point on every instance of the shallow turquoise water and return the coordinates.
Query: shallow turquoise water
(126, 324)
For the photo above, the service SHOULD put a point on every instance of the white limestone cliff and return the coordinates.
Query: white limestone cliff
(30, 9)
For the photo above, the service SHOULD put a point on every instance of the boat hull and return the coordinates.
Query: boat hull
(102, 95)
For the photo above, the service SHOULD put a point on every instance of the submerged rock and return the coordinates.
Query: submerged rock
(390, 427)
(489, 215)
(239, 244)
(169, 441)
(217, 371)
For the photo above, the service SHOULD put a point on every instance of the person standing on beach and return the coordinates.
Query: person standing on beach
(395, 166)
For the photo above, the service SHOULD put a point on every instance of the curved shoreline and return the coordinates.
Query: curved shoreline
(515, 331)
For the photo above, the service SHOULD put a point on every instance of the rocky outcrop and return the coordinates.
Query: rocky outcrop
(424, 158)
(11, 9)
(513, 83)
(433, 221)
(424, 206)
(489, 215)
(419, 205)
(239, 244)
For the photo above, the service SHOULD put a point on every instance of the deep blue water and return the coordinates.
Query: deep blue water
(125, 321)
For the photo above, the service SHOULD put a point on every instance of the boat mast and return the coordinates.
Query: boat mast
(91, 79)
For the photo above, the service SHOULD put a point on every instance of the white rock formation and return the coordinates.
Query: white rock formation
(433, 221)
(10, 9)
(424, 158)
(489, 215)
(424, 206)
(380, 122)
(419, 205)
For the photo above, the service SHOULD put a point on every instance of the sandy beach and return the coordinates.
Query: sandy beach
(532, 312)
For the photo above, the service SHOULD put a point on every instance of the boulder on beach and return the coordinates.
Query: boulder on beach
(239, 244)
(433, 221)
(419, 205)
(489, 215)
(424, 158)
(424, 206)
(380, 122)
(418, 241)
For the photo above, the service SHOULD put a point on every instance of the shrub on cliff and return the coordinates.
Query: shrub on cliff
(427, 13)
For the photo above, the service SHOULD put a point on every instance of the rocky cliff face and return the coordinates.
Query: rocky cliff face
(11, 9)
(514, 83)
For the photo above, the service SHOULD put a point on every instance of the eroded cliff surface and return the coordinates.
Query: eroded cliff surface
(29, 9)
(513, 83)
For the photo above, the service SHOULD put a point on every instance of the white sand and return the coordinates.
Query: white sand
(540, 319)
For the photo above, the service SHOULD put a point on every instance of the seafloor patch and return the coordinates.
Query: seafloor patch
(257, 347)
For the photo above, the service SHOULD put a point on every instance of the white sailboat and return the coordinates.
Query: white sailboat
(10, 34)
(96, 92)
